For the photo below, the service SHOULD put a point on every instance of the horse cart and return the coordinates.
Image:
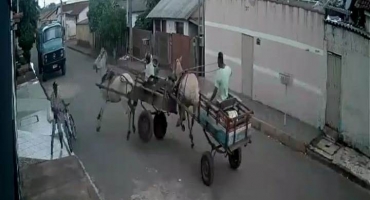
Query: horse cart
(225, 125)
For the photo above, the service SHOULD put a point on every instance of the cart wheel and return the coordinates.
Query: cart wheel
(206, 168)
(160, 125)
(145, 124)
(235, 159)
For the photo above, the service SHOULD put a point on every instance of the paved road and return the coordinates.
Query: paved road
(170, 169)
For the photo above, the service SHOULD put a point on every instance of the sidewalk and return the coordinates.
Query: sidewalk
(64, 179)
(45, 176)
(295, 134)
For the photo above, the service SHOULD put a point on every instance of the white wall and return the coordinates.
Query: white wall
(70, 27)
(83, 14)
(355, 84)
(292, 41)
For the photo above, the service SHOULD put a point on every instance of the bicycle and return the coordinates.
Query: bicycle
(70, 126)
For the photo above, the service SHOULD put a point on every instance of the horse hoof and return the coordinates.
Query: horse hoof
(134, 129)
(192, 146)
(98, 129)
(183, 127)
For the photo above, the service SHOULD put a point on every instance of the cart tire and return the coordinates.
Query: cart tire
(145, 124)
(160, 125)
(235, 159)
(207, 168)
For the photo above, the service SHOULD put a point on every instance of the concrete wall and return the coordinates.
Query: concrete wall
(84, 36)
(83, 15)
(292, 41)
(355, 84)
(70, 24)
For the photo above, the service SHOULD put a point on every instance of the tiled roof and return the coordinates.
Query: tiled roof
(350, 28)
(363, 4)
(75, 8)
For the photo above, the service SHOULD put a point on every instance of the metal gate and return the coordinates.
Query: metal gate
(333, 91)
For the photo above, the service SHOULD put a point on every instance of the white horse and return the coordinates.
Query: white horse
(188, 94)
(122, 83)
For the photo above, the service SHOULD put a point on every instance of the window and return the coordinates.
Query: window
(180, 28)
(157, 25)
(164, 25)
(52, 33)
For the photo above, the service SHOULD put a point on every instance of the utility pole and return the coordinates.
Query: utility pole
(130, 26)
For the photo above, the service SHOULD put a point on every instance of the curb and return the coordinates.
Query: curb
(315, 156)
(279, 135)
(78, 50)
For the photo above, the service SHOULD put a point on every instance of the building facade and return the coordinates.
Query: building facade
(267, 42)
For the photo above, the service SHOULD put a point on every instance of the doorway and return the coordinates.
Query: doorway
(333, 91)
(247, 64)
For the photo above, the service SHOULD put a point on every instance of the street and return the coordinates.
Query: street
(170, 169)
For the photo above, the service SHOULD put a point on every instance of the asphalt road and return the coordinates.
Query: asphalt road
(170, 169)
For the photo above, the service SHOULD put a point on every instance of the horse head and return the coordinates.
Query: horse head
(177, 70)
(98, 65)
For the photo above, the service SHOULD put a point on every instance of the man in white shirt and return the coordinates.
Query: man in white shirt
(222, 79)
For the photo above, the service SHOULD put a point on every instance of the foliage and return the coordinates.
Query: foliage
(142, 22)
(28, 24)
(96, 9)
(108, 20)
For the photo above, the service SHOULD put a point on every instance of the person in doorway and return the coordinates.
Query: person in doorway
(57, 108)
(222, 79)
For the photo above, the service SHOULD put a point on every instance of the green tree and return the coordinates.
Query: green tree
(96, 9)
(27, 26)
(108, 20)
(141, 21)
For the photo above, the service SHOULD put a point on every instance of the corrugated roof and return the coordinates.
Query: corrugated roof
(75, 8)
(137, 5)
(363, 4)
(174, 9)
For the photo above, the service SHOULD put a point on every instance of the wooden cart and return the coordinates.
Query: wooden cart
(229, 133)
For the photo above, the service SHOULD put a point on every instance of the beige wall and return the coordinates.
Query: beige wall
(292, 41)
(84, 34)
(355, 84)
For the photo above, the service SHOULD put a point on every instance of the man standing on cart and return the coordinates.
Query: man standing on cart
(222, 79)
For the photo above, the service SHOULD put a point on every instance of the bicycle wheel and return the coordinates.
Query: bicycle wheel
(73, 127)
(69, 137)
